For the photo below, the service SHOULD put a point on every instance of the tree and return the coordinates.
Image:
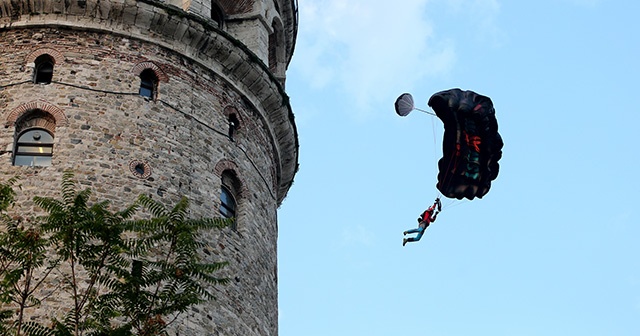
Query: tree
(125, 276)
(165, 281)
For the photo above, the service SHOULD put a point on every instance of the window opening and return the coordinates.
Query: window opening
(228, 197)
(43, 69)
(140, 168)
(216, 14)
(148, 83)
(277, 6)
(273, 58)
(34, 147)
(227, 203)
(234, 123)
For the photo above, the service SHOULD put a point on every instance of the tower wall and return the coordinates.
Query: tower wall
(103, 128)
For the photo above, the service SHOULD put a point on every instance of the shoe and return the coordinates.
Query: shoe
(404, 241)
(405, 233)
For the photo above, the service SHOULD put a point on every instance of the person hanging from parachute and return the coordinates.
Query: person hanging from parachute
(426, 218)
(471, 144)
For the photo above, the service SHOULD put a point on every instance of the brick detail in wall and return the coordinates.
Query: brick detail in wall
(138, 68)
(56, 112)
(225, 164)
(56, 55)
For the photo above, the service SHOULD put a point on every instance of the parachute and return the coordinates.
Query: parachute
(471, 145)
(404, 105)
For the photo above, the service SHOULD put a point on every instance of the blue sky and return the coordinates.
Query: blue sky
(552, 249)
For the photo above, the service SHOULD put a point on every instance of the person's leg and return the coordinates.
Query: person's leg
(413, 230)
(420, 232)
(419, 235)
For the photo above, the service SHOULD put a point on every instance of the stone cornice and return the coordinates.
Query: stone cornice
(184, 33)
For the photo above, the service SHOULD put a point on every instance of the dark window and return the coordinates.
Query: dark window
(229, 193)
(277, 7)
(227, 203)
(140, 168)
(234, 123)
(43, 69)
(34, 147)
(273, 49)
(148, 83)
(216, 14)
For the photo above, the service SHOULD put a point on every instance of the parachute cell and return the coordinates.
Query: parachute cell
(471, 146)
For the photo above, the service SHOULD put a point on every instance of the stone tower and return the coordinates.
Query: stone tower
(164, 98)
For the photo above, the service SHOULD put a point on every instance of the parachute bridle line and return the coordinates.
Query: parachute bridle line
(425, 111)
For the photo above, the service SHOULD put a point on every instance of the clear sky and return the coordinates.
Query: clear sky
(552, 249)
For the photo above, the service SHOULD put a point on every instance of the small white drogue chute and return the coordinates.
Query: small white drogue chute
(404, 105)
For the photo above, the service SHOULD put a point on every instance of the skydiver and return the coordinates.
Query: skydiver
(425, 219)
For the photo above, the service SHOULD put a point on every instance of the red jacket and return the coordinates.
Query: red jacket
(426, 215)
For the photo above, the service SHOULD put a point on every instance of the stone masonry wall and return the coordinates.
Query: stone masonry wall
(181, 136)
(189, 35)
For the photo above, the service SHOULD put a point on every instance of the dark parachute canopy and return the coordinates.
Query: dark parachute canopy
(471, 146)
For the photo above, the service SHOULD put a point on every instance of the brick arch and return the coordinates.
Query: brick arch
(56, 112)
(56, 55)
(140, 67)
(36, 118)
(225, 165)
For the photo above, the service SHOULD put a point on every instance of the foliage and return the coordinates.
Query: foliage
(22, 266)
(123, 276)
(169, 281)
(7, 194)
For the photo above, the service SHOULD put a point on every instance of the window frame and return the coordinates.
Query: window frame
(38, 74)
(148, 81)
(28, 144)
(225, 208)
(216, 14)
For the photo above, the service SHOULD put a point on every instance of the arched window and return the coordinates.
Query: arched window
(216, 14)
(228, 196)
(234, 123)
(43, 72)
(34, 147)
(273, 53)
(277, 50)
(148, 83)
(227, 203)
(34, 139)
